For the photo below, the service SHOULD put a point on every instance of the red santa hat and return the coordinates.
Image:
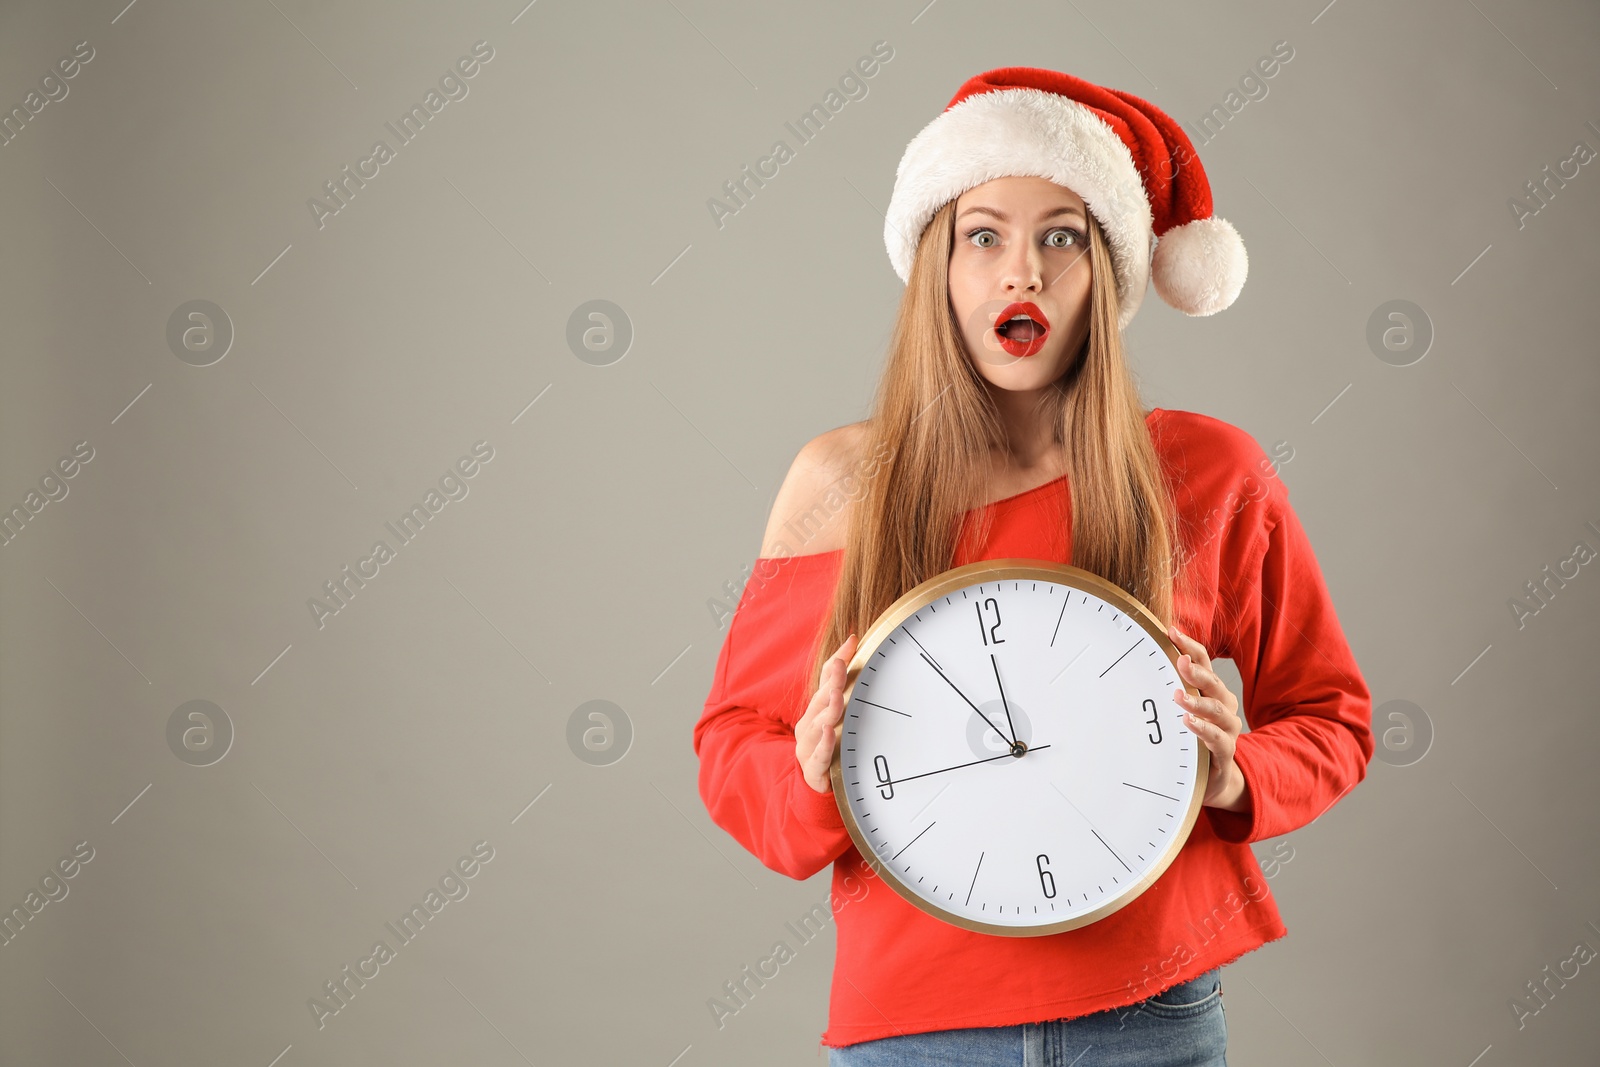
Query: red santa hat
(1134, 167)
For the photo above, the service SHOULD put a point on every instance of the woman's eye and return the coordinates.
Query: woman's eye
(984, 237)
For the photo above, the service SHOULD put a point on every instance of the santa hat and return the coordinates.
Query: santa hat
(1134, 167)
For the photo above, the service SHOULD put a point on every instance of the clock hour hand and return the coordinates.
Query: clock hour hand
(1010, 741)
(1003, 702)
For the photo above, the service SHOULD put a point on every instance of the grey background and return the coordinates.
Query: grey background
(370, 354)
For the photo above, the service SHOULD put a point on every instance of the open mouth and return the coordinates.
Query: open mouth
(1021, 329)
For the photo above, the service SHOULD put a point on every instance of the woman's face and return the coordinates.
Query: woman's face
(1021, 241)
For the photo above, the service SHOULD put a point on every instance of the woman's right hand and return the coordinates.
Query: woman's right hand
(817, 729)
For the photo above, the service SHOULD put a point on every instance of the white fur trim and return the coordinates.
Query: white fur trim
(1025, 132)
(1200, 267)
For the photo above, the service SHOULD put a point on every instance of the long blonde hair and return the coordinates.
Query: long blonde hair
(934, 419)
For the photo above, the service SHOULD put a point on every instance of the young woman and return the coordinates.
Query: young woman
(1007, 425)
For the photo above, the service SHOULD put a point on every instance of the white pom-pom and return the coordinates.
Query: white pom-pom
(1199, 267)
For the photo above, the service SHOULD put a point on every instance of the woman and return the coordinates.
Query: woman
(1021, 221)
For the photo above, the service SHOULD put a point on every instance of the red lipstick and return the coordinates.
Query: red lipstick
(1021, 328)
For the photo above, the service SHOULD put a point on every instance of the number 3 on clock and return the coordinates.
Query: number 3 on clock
(1153, 720)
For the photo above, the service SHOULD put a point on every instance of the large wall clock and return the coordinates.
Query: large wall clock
(1012, 759)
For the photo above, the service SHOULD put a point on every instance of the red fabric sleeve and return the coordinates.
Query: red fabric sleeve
(1307, 705)
(750, 779)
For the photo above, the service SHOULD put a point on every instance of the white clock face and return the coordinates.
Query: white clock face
(1013, 755)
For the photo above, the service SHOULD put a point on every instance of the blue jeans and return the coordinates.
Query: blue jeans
(1185, 1026)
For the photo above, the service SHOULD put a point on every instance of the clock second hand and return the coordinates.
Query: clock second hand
(1010, 741)
(957, 767)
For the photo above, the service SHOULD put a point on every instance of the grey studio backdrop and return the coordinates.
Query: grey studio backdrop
(544, 324)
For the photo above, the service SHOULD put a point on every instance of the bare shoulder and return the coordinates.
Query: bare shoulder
(810, 512)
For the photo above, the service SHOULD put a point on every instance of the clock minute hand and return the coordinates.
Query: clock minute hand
(1008, 740)
(957, 767)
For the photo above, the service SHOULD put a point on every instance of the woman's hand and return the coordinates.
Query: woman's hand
(814, 734)
(1213, 716)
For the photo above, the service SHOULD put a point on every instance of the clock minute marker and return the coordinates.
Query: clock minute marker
(1119, 658)
(913, 841)
(1111, 850)
(974, 878)
(1130, 785)
(1090, 823)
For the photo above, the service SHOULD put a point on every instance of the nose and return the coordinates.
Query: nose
(1023, 269)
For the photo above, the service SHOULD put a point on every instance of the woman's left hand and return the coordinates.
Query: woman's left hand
(1213, 717)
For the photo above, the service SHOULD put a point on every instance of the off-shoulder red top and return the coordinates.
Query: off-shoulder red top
(1261, 601)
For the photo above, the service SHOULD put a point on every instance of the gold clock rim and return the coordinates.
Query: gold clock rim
(983, 571)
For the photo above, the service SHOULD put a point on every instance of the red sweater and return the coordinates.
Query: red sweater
(1261, 602)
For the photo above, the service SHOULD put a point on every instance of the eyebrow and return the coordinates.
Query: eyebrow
(1003, 217)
